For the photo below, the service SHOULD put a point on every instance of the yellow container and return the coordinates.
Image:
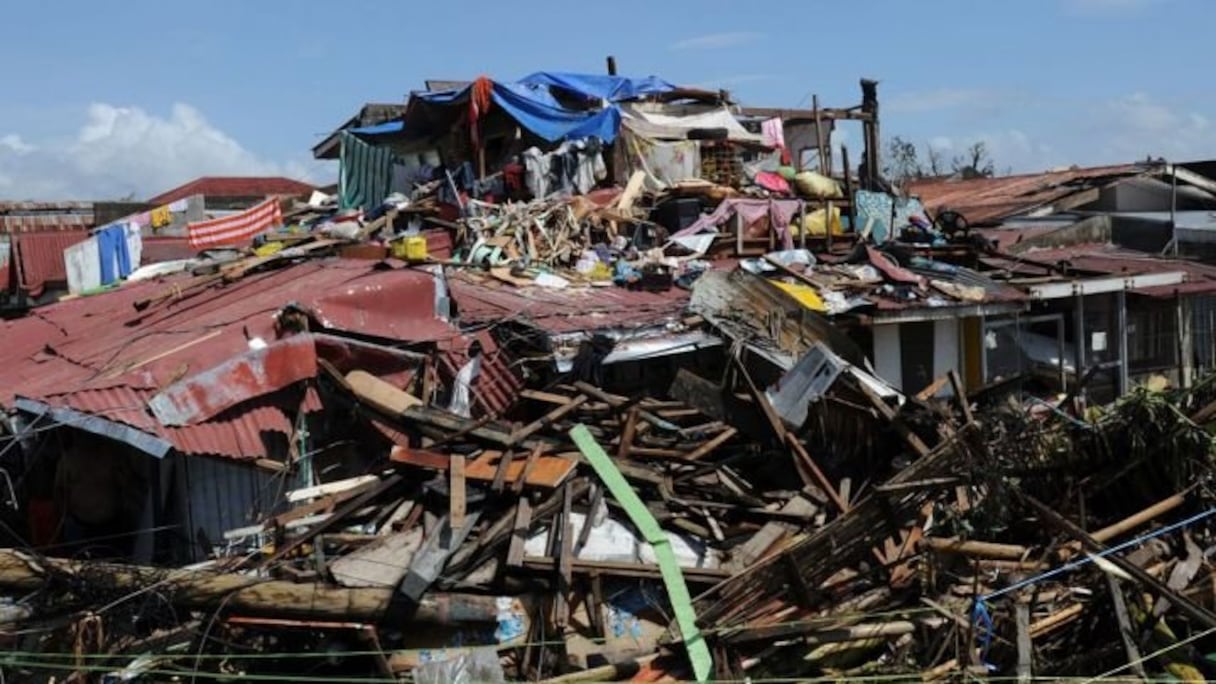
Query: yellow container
(411, 248)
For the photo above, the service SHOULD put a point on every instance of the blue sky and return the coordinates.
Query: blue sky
(109, 99)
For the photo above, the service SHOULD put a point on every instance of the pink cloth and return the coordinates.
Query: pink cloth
(779, 212)
(774, 133)
(772, 181)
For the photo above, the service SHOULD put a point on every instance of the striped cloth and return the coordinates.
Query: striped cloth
(237, 228)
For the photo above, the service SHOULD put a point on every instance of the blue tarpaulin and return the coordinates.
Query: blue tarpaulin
(535, 108)
(554, 123)
(381, 128)
(599, 86)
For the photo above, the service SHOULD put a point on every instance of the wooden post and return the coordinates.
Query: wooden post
(1185, 343)
(848, 189)
(1025, 655)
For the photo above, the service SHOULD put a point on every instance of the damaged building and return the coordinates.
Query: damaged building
(583, 377)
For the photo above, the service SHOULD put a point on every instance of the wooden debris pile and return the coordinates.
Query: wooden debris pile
(594, 536)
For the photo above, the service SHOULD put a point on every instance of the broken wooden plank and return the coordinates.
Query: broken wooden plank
(338, 486)
(627, 434)
(547, 419)
(821, 480)
(547, 471)
(431, 558)
(519, 533)
(528, 467)
(380, 394)
(1021, 613)
(712, 444)
(456, 492)
(975, 549)
(1184, 604)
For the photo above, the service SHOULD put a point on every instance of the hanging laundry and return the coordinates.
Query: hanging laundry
(238, 228)
(365, 173)
(179, 206)
(114, 256)
(161, 217)
(575, 167)
(135, 244)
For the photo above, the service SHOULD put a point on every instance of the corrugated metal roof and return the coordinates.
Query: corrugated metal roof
(563, 310)
(497, 386)
(98, 354)
(987, 200)
(37, 260)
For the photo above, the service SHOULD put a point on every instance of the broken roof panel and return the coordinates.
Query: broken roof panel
(99, 354)
(988, 200)
(564, 310)
(37, 260)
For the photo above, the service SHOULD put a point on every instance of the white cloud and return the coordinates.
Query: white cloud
(1140, 126)
(120, 151)
(717, 41)
(14, 143)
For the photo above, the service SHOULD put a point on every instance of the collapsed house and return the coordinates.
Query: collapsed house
(590, 378)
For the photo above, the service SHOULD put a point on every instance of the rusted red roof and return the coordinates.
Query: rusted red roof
(37, 260)
(987, 200)
(235, 186)
(99, 355)
(563, 310)
(1103, 259)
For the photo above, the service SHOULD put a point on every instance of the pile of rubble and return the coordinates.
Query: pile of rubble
(821, 525)
(590, 434)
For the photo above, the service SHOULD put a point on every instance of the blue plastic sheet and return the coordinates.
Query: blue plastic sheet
(600, 86)
(554, 123)
(381, 128)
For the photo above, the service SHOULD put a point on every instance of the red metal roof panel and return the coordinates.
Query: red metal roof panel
(37, 259)
(235, 186)
(99, 354)
(987, 200)
(564, 310)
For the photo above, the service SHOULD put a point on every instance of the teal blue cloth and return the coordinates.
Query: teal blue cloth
(365, 173)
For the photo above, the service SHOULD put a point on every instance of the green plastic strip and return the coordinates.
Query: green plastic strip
(677, 591)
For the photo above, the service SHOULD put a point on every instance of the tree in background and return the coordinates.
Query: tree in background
(903, 162)
(975, 162)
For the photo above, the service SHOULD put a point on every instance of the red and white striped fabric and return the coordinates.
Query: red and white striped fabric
(238, 227)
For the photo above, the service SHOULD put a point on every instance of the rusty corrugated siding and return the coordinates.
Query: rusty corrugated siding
(99, 355)
(37, 259)
(987, 200)
(564, 311)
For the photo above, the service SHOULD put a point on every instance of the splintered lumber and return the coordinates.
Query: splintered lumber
(252, 595)
(1185, 605)
(431, 558)
(641, 517)
(548, 419)
(546, 471)
(380, 394)
(712, 444)
(975, 549)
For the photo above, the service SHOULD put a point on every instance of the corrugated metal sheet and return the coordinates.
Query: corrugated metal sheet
(987, 200)
(46, 223)
(497, 387)
(37, 260)
(222, 496)
(99, 355)
(563, 311)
